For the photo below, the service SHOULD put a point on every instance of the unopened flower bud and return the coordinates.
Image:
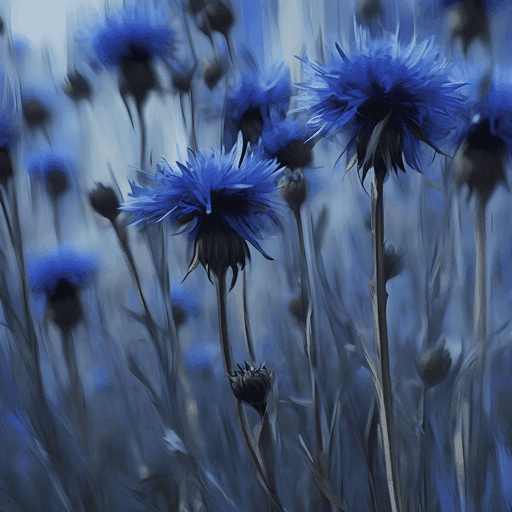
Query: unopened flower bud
(252, 386)
(35, 113)
(179, 314)
(212, 74)
(434, 366)
(5, 166)
(57, 182)
(219, 16)
(65, 305)
(480, 161)
(104, 201)
(77, 87)
(293, 188)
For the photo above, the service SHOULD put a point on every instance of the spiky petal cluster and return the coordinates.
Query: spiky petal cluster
(143, 28)
(226, 204)
(256, 95)
(388, 98)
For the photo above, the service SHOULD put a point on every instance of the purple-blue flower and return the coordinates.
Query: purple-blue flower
(226, 204)
(388, 98)
(254, 97)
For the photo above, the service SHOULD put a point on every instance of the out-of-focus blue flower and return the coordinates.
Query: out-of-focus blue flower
(225, 204)
(48, 162)
(255, 96)
(62, 264)
(388, 98)
(184, 303)
(141, 28)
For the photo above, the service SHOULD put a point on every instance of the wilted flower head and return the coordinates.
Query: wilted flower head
(255, 96)
(434, 365)
(226, 204)
(487, 137)
(55, 279)
(388, 98)
(252, 386)
(130, 39)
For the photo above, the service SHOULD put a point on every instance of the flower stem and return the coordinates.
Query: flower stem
(142, 134)
(481, 281)
(379, 301)
(248, 336)
(225, 345)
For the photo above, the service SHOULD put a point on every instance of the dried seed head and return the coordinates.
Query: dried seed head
(293, 188)
(56, 182)
(252, 386)
(104, 201)
(35, 113)
(77, 87)
(480, 160)
(434, 366)
(65, 305)
(5, 167)
(212, 74)
(219, 16)
(217, 250)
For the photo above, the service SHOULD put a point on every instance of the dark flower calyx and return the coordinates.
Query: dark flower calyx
(77, 87)
(65, 305)
(295, 155)
(252, 386)
(56, 182)
(219, 16)
(293, 188)
(138, 74)
(35, 113)
(434, 366)
(480, 161)
(217, 250)
(104, 201)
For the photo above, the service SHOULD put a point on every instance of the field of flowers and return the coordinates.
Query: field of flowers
(255, 255)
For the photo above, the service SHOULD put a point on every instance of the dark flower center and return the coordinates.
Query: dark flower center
(481, 138)
(138, 73)
(65, 305)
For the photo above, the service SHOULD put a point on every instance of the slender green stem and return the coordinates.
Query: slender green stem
(248, 336)
(379, 301)
(225, 345)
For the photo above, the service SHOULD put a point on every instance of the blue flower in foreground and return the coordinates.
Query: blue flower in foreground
(387, 99)
(255, 96)
(55, 278)
(130, 40)
(487, 136)
(226, 204)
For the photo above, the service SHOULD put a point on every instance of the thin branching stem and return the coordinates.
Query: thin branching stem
(225, 345)
(248, 335)
(379, 302)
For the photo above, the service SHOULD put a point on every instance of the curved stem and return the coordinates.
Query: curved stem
(379, 301)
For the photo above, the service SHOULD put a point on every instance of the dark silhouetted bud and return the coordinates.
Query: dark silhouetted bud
(104, 201)
(138, 74)
(368, 11)
(5, 166)
(179, 314)
(212, 74)
(35, 113)
(252, 386)
(65, 305)
(469, 21)
(295, 155)
(217, 250)
(434, 365)
(219, 16)
(293, 188)
(57, 182)
(393, 263)
(77, 87)
(480, 160)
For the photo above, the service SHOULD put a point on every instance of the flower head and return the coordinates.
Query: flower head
(387, 99)
(55, 279)
(53, 169)
(487, 137)
(434, 365)
(255, 96)
(226, 205)
(252, 386)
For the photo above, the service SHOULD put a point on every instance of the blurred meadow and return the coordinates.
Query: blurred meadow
(255, 255)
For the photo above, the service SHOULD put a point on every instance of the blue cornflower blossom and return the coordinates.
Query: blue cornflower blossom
(54, 170)
(486, 137)
(130, 40)
(226, 204)
(387, 99)
(55, 278)
(255, 96)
